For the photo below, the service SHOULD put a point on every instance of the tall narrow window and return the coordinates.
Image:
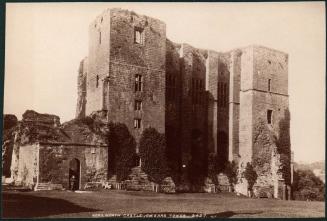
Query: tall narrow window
(97, 81)
(138, 82)
(269, 116)
(137, 123)
(138, 105)
(219, 94)
(138, 36)
(99, 37)
(269, 84)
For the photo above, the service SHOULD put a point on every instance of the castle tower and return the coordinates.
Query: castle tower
(263, 95)
(263, 112)
(217, 85)
(126, 70)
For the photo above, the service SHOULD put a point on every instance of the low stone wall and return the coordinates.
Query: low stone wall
(54, 163)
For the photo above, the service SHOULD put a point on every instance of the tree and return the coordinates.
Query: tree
(307, 186)
(121, 152)
(231, 172)
(250, 175)
(152, 153)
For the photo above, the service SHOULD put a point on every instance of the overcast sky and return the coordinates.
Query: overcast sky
(45, 43)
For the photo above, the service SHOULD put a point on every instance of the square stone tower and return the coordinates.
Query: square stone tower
(263, 95)
(126, 69)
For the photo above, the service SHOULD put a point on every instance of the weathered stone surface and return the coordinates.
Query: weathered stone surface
(168, 185)
(185, 89)
(33, 117)
(42, 149)
(81, 89)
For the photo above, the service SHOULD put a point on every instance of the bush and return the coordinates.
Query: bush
(152, 153)
(121, 151)
(307, 186)
(213, 166)
(250, 175)
(231, 172)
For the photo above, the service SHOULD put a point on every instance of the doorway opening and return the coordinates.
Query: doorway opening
(74, 174)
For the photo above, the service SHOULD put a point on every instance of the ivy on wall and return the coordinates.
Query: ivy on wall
(152, 153)
(121, 151)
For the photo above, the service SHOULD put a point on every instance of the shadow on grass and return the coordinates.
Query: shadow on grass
(228, 214)
(15, 205)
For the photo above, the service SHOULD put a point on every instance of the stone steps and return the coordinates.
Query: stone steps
(138, 180)
(42, 186)
(48, 186)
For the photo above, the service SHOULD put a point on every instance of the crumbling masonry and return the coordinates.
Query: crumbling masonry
(235, 100)
(229, 106)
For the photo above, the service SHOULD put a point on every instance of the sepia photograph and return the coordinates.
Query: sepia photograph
(164, 110)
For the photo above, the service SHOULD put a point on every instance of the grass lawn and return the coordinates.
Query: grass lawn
(71, 204)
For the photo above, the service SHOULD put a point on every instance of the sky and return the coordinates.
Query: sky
(46, 41)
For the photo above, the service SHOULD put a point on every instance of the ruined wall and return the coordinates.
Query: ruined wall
(193, 98)
(128, 59)
(84, 139)
(212, 89)
(223, 107)
(81, 89)
(27, 165)
(54, 163)
(173, 104)
(246, 106)
(98, 62)
(264, 88)
(234, 104)
(218, 84)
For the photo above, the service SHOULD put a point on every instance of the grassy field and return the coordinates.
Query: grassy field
(97, 204)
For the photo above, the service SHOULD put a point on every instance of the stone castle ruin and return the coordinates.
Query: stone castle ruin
(232, 104)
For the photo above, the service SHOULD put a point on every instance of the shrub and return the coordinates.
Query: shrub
(231, 172)
(213, 168)
(152, 153)
(121, 151)
(307, 186)
(250, 175)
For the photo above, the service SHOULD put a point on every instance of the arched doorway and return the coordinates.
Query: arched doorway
(74, 174)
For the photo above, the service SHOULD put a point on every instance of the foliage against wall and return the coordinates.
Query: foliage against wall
(153, 156)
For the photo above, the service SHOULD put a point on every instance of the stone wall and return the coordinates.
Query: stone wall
(264, 88)
(54, 163)
(223, 107)
(173, 105)
(223, 96)
(81, 89)
(32, 117)
(38, 143)
(28, 165)
(193, 100)
(98, 62)
(212, 89)
(234, 103)
(128, 59)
